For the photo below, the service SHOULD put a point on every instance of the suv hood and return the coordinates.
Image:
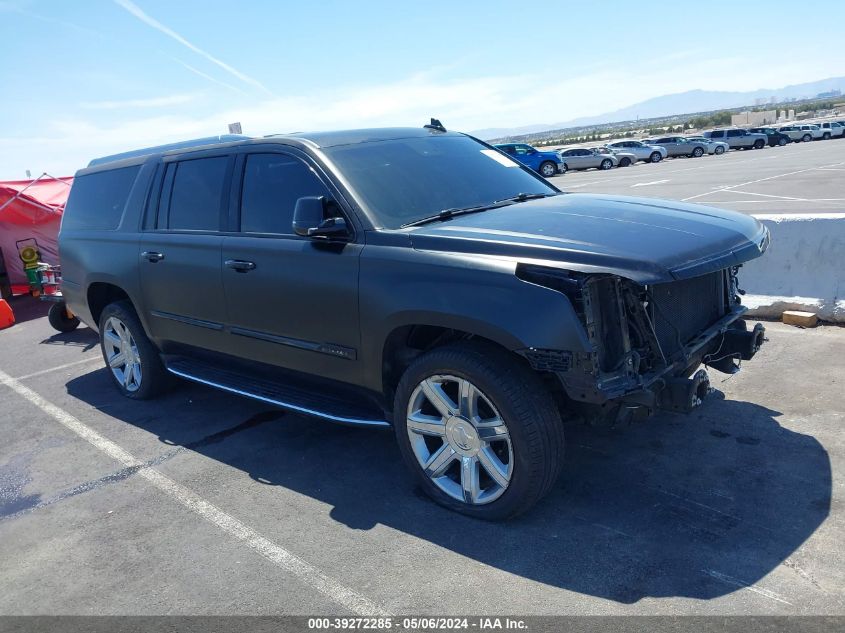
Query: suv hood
(648, 241)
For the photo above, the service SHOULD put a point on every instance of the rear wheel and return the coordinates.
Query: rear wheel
(655, 157)
(759, 144)
(625, 162)
(61, 319)
(807, 138)
(606, 164)
(548, 169)
(478, 429)
(719, 150)
(132, 359)
(826, 136)
(697, 152)
(782, 142)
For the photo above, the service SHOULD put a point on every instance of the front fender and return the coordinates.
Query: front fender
(471, 293)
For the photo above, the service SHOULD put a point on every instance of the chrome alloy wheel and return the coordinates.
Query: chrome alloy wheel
(459, 439)
(122, 354)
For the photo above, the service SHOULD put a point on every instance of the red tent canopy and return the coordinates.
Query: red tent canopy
(33, 201)
(30, 215)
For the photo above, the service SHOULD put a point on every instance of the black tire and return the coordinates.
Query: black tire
(625, 162)
(564, 168)
(806, 138)
(697, 152)
(154, 377)
(548, 169)
(826, 136)
(759, 144)
(782, 141)
(655, 157)
(719, 150)
(606, 164)
(60, 320)
(523, 403)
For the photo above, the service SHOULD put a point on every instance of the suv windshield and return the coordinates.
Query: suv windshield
(403, 180)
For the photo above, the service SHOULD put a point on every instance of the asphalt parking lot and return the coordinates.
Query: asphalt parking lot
(205, 503)
(797, 178)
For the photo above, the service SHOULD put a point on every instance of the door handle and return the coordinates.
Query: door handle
(240, 265)
(152, 256)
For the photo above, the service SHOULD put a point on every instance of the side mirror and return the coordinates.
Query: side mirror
(309, 219)
(532, 151)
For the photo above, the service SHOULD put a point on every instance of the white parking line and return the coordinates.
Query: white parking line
(744, 585)
(751, 182)
(91, 359)
(768, 195)
(305, 572)
(653, 182)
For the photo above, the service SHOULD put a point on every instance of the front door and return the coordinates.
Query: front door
(291, 301)
(180, 253)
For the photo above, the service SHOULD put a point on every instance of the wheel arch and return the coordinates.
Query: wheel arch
(411, 337)
(101, 293)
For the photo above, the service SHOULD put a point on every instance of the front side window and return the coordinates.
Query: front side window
(196, 198)
(272, 184)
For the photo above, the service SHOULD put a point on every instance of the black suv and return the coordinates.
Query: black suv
(413, 278)
(775, 137)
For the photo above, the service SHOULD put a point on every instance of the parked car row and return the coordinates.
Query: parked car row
(653, 150)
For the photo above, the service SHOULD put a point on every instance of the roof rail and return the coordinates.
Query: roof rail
(197, 142)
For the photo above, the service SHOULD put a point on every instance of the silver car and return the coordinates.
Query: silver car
(643, 151)
(626, 159)
(713, 147)
(588, 159)
(679, 146)
(738, 138)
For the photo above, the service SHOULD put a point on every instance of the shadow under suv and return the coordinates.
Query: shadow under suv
(413, 278)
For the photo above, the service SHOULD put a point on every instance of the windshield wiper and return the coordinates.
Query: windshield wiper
(445, 214)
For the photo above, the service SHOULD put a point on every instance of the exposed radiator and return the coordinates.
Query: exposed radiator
(683, 309)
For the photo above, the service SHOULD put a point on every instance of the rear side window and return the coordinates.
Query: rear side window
(272, 184)
(734, 132)
(197, 194)
(97, 200)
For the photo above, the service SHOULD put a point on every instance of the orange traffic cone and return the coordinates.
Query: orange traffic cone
(7, 317)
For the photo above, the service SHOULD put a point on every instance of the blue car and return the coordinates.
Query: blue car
(545, 163)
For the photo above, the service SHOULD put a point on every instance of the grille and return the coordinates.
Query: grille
(683, 309)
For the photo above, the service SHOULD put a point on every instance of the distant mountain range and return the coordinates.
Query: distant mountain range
(678, 103)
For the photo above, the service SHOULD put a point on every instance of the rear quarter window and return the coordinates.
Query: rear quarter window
(97, 200)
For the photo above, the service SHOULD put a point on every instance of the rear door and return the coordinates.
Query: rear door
(179, 254)
(291, 301)
(736, 138)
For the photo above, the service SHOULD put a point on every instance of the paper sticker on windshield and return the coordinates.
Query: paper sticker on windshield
(499, 158)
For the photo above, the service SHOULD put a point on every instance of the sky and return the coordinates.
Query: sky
(88, 78)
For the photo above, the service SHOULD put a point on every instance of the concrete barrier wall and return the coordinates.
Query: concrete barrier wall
(803, 269)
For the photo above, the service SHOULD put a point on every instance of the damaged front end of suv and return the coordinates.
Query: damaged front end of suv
(646, 341)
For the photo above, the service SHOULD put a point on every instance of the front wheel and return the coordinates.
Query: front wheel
(606, 164)
(782, 142)
(759, 144)
(655, 157)
(807, 138)
(625, 162)
(479, 430)
(697, 152)
(826, 136)
(132, 359)
(548, 169)
(719, 150)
